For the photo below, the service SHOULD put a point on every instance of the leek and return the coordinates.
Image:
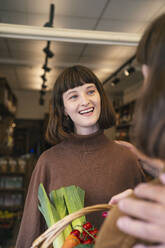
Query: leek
(57, 198)
(74, 203)
(50, 214)
(81, 193)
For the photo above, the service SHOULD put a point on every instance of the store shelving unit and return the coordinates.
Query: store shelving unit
(124, 116)
(12, 193)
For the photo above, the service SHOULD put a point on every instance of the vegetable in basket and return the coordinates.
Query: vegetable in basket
(57, 197)
(50, 214)
(71, 241)
(86, 237)
(63, 201)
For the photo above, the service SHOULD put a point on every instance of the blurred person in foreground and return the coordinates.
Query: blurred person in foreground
(138, 220)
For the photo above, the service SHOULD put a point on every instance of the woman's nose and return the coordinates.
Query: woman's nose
(84, 100)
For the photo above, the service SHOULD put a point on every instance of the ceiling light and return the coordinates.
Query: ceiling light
(44, 86)
(46, 68)
(49, 53)
(115, 81)
(129, 70)
(44, 78)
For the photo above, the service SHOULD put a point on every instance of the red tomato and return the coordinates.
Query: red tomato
(93, 232)
(76, 233)
(84, 235)
(88, 241)
(87, 225)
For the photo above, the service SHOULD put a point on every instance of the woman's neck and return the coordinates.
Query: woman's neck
(87, 130)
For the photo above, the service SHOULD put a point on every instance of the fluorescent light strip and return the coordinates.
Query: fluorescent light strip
(68, 35)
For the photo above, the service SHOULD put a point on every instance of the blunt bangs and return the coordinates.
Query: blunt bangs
(75, 76)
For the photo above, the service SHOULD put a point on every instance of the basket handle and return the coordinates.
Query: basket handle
(47, 238)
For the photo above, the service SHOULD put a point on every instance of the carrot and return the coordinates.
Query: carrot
(71, 241)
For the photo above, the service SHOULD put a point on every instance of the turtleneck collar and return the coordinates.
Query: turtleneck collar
(87, 142)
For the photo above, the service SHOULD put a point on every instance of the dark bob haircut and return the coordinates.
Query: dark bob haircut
(59, 127)
(149, 124)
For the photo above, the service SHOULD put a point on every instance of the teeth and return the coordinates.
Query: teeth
(86, 111)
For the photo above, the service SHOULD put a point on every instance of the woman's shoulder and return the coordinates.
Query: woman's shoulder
(51, 153)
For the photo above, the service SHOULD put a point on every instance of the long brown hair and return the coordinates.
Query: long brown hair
(60, 127)
(149, 121)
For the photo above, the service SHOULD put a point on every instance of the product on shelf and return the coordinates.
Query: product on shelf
(3, 165)
(12, 164)
(21, 165)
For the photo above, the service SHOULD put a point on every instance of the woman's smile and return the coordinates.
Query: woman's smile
(87, 111)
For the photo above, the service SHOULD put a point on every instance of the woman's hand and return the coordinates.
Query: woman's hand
(116, 198)
(150, 224)
(132, 148)
(152, 166)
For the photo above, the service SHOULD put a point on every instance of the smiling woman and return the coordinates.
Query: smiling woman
(78, 87)
(82, 155)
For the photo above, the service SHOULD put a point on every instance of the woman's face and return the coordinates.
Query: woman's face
(83, 105)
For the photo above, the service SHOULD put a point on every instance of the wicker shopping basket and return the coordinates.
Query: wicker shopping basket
(46, 239)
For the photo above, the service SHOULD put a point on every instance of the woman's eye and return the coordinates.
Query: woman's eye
(73, 97)
(91, 92)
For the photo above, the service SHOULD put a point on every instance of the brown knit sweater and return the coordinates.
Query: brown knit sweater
(99, 166)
